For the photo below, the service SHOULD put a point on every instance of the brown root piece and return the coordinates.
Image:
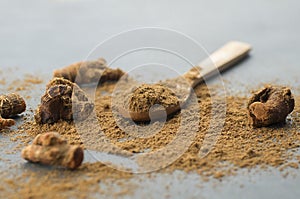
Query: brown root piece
(50, 149)
(6, 123)
(270, 105)
(63, 100)
(89, 72)
(11, 105)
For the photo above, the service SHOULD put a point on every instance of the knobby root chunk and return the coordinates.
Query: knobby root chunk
(50, 149)
(11, 105)
(64, 100)
(89, 72)
(270, 105)
(6, 123)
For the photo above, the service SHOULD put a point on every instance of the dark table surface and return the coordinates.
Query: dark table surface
(39, 36)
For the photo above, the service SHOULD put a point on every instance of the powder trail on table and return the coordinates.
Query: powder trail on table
(238, 145)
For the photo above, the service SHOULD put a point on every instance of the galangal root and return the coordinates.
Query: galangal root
(64, 100)
(89, 72)
(270, 105)
(50, 149)
(10, 106)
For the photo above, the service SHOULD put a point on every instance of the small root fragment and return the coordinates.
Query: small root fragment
(10, 106)
(270, 105)
(50, 149)
(63, 100)
(89, 72)
(4, 123)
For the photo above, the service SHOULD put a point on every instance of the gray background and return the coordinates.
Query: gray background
(39, 36)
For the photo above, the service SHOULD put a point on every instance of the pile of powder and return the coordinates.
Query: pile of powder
(147, 95)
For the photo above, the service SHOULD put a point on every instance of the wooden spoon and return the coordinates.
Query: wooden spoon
(220, 60)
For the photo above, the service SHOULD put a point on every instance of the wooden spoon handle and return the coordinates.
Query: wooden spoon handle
(221, 59)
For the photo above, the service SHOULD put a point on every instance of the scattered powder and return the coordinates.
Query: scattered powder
(238, 146)
(31, 79)
(27, 83)
(40, 182)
